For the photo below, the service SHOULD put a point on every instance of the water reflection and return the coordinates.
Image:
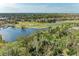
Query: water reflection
(10, 34)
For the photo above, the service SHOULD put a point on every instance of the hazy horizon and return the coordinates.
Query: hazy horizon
(39, 8)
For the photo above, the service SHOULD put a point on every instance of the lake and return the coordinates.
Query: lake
(11, 34)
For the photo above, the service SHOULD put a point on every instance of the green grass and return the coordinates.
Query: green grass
(36, 25)
(43, 25)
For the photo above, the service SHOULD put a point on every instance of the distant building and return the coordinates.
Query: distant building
(3, 18)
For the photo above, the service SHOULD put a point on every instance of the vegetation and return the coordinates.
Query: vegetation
(55, 41)
(58, 39)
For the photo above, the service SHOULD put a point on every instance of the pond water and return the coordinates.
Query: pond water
(11, 34)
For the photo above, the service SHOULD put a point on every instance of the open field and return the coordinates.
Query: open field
(43, 25)
(34, 24)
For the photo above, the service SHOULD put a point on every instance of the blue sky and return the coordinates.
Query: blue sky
(39, 8)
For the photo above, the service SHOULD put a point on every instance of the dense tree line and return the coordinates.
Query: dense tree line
(39, 17)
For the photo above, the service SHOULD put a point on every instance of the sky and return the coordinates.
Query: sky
(39, 8)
